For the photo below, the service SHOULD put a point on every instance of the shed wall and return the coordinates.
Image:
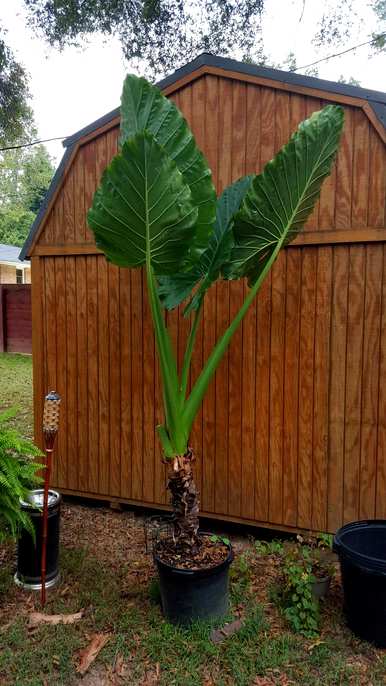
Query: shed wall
(293, 429)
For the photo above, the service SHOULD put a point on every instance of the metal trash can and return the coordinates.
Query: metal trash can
(29, 553)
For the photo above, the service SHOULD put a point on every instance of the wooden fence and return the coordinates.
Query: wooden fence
(15, 318)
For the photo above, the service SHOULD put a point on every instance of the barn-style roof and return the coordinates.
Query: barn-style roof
(372, 102)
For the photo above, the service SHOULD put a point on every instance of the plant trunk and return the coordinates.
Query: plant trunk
(185, 502)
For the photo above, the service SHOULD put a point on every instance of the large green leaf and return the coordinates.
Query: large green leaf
(280, 199)
(144, 107)
(143, 208)
(174, 289)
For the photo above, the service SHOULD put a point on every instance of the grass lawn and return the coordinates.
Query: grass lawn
(106, 573)
(16, 389)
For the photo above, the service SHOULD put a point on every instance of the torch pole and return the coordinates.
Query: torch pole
(50, 430)
(47, 478)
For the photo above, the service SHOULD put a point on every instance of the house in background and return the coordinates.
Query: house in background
(13, 270)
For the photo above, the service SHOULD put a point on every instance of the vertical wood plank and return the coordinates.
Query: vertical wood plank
(115, 381)
(267, 125)
(339, 305)
(68, 207)
(344, 164)
(354, 383)
(89, 159)
(291, 386)
(360, 170)
(377, 190)
(126, 387)
(81, 314)
(370, 380)
(72, 375)
(79, 200)
(306, 386)
(321, 390)
(253, 129)
(103, 374)
(92, 373)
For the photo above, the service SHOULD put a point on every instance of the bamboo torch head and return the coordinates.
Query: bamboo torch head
(51, 417)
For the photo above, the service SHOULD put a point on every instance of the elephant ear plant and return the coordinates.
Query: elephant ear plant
(156, 208)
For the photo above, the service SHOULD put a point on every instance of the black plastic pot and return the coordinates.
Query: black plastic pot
(28, 574)
(188, 595)
(361, 547)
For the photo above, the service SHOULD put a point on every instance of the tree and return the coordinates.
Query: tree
(25, 175)
(156, 207)
(15, 114)
(344, 20)
(164, 34)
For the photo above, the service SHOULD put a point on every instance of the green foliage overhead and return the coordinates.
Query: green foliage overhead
(144, 213)
(25, 175)
(18, 474)
(15, 113)
(160, 35)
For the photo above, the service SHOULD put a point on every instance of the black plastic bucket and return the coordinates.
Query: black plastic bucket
(188, 595)
(29, 555)
(361, 547)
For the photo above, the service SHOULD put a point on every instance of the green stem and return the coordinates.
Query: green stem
(167, 359)
(189, 352)
(194, 401)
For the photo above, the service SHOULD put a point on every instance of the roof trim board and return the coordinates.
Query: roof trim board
(372, 102)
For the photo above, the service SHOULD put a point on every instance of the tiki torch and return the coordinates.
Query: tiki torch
(50, 429)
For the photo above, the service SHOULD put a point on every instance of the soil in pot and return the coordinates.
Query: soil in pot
(194, 587)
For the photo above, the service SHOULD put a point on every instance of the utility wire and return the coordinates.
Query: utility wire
(28, 145)
(337, 54)
(304, 66)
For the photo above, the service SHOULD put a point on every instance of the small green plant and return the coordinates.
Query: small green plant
(274, 547)
(220, 539)
(18, 474)
(301, 608)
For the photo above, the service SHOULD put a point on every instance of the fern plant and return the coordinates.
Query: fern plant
(18, 474)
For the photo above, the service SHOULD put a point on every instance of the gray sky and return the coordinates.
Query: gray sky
(72, 88)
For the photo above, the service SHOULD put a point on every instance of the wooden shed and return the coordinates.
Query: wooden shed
(292, 433)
